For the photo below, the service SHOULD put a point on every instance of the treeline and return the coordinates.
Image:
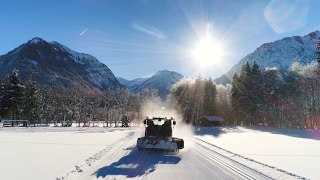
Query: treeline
(277, 100)
(194, 98)
(269, 98)
(44, 105)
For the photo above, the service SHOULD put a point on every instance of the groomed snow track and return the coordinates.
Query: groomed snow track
(240, 165)
(201, 160)
(235, 167)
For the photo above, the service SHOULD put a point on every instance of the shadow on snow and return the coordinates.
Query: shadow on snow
(137, 163)
(215, 131)
(298, 133)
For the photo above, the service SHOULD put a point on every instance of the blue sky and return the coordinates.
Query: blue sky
(136, 38)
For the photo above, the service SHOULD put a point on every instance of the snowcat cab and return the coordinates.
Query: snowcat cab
(158, 135)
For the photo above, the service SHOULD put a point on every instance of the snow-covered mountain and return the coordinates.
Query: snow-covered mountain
(161, 80)
(133, 84)
(54, 64)
(281, 54)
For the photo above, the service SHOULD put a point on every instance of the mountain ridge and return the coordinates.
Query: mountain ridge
(54, 64)
(280, 54)
(162, 81)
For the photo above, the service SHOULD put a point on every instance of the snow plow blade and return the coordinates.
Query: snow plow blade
(165, 144)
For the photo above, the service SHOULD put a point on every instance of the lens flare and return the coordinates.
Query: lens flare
(286, 15)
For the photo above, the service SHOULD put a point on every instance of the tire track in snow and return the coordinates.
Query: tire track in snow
(266, 171)
(97, 156)
(220, 159)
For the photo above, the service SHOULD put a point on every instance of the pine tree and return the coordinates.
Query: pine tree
(209, 98)
(236, 97)
(33, 101)
(198, 99)
(48, 103)
(270, 93)
(293, 93)
(181, 99)
(255, 70)
(255, 95)
(14, 93)
(5, 102)
(244, 85)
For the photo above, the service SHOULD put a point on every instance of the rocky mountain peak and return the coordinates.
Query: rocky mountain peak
(35, 40)
(54, 64)
(280, 54)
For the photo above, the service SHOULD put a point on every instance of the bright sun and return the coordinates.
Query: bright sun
(207, 52)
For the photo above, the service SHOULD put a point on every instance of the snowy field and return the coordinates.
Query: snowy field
(295, 151)
(110, 153)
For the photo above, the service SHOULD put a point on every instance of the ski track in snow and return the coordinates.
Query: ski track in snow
(112, 161)
(264, 170)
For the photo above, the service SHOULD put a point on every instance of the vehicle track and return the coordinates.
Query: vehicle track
(229, 164)
(243, 166)
(150, 164)
(98, 158)
(202, 160)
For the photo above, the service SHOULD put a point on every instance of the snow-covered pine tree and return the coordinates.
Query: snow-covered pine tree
(75, 102)
(223, 103)
(5, 102)
(270, 93)
(292, 104)
(255, 95)
(14, 93)
(236, 97)
(32, 101)
(47, 99)
(134, 108)
(180, 98)
(245, 88)
(209, 102)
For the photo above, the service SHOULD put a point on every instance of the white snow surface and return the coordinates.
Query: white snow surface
(110, 153)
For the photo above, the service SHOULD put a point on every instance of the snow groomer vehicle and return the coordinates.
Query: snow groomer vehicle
(158, 135)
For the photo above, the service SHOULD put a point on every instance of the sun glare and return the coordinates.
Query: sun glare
(207, 52)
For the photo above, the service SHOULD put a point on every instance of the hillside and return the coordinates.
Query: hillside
(161, 81)
(280, 54)
(53, 64)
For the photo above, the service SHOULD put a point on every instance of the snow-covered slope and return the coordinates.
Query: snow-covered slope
(280, 54)
(162, 81)
(133, 84)
(54, 64)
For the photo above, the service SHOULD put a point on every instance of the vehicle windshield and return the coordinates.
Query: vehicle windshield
(158, 122)
(159, 128)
